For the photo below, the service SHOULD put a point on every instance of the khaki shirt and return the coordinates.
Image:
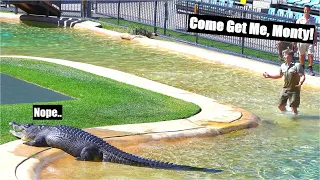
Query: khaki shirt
(291, 75)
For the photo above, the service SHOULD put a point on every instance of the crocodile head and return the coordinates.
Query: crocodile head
(24, 131)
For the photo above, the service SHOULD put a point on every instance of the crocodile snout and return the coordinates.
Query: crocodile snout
(15, 126)
(13, 123)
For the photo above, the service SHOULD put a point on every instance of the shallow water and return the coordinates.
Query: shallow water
(282, 147)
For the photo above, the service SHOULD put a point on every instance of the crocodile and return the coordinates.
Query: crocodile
(87, 147)
(143, 32)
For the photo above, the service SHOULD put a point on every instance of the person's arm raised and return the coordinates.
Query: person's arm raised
(266, 75)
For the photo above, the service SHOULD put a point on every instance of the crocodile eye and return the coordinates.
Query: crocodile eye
(27, 125)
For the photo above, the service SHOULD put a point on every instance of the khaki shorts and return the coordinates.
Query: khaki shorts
(293, 96)
(304, 47)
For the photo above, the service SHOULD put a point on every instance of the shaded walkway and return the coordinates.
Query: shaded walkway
(15, 91)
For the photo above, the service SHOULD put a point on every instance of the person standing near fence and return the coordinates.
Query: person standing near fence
(293, 79)
(304, 48)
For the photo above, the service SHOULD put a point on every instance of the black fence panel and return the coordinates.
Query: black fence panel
(172, 15)
(6, 7)
(71, 8)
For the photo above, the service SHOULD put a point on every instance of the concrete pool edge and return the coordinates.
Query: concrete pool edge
(204, 124)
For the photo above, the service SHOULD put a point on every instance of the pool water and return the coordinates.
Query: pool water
(282, 147)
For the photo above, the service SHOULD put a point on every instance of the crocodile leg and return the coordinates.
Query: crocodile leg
(90, 154)
(38, 142)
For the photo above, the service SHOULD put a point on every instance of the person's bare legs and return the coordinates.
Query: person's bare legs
(301, 59)
(282, 107)
(310, 59)
(310, 62)
(294, 110)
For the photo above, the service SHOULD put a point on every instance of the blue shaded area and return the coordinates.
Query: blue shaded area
(15, 91)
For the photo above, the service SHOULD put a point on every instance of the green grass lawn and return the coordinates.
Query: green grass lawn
(100, 101)
(127, 26)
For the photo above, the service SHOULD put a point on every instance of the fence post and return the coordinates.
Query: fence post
(82, 8)
(197, 11)
(139, 10)
(165, 17)
(242, 44)
(15, 9)
(89, 12)
(187, 15)
(155, 17)
(118, 16)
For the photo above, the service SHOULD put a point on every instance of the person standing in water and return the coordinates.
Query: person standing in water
(293, 79)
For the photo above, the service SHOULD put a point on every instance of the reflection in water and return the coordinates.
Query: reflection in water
(281, 148)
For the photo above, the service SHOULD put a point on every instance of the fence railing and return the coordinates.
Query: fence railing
(173, 15)
(170, 17)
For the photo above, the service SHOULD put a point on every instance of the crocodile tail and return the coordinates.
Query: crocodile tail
(112, 154)
(177, 167)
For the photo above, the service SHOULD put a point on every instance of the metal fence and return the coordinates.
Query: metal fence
(5, 6)
(169, 17)
(172, 15)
